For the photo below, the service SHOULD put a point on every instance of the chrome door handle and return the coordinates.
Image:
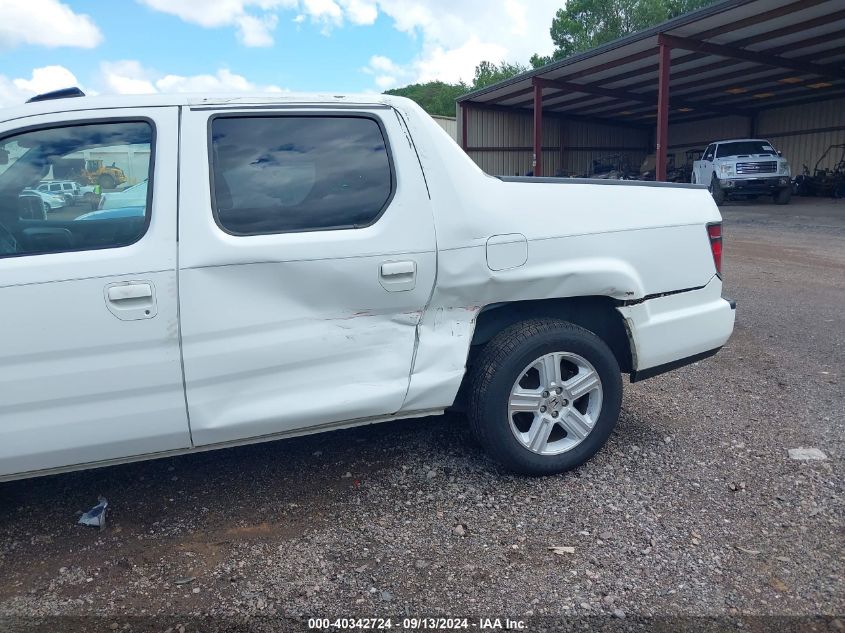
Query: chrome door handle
(397, 276)
(131, 300)
(130, 291)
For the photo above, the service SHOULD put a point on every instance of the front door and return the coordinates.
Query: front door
(704, 167)
(89, 337)
(307, 255)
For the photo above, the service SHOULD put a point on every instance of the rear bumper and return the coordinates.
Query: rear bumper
(755, 185)
(675, 330)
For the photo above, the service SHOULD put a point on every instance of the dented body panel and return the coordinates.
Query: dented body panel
(276, 335)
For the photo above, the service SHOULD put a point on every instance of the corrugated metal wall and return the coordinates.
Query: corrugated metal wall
(804, 132)
(449, 124)
(699, 134)
(501, 142)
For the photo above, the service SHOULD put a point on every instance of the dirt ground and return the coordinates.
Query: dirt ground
(692, 516)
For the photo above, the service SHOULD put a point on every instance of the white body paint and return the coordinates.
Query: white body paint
(295, 333)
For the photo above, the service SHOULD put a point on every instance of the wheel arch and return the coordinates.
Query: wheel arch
(598, 314)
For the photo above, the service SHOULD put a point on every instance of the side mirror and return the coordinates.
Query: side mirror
(780, 153)
(4, 157)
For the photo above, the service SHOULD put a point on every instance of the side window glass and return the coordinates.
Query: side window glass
(280, 174)
(103, 159)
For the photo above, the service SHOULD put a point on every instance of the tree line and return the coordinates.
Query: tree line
(579, 26)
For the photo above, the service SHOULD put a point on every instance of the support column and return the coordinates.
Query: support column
(662, 141)
(537, 163)
(464, 118)
(753, 120)
(562, 142)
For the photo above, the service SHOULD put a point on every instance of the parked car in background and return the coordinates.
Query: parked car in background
(744, 167)
(31, 206)
(322, 262)
(136, 195)
(52, 201)
(68, 189)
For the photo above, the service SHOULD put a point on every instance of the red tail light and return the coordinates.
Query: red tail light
(714, 232)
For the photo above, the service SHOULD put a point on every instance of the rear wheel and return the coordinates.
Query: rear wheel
(716, 190)
(783, 196)
(544, 396)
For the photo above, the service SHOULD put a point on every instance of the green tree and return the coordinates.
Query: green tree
(435, 97)
(584, 24)
(488, 73)
(438, 97)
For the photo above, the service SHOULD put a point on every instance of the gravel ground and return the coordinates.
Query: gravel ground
(693, 509)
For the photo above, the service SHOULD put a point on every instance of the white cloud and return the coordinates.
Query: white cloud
(454, 35)
(382, 63)
(44, 79)
(360, 12)
(385, 82)
(252, 29)
(130, 77)
(256, 31)
(45, 23)
(456, 64)
(127, 77)
(323, 10)
(221, 81)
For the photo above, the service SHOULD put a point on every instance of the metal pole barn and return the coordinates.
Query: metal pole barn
(538, 128)
(464, 118)
(662, 144)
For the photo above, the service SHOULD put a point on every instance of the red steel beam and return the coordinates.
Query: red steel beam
(624, 95)
(694, 72)
(464, 118)
(538, 129)
(613, 110)
(765, 59)
(733, 26)
(662, 143)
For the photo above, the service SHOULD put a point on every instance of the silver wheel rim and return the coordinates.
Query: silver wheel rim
(554, 403)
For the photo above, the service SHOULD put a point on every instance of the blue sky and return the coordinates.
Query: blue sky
(229, 45)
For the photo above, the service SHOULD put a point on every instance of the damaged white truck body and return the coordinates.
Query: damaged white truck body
(311, 263)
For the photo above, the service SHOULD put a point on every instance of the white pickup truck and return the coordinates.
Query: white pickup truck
(744, 167)
(306, 263)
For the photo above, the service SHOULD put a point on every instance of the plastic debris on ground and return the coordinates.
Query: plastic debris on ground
(96, 516)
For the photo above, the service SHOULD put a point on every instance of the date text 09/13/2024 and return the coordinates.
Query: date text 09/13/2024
(409, 624)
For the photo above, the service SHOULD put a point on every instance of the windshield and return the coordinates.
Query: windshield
(745, 148)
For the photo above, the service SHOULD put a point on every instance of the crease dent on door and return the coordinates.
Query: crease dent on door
(287, 326)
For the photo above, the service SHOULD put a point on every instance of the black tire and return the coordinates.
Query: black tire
(497, 368)
(783, 196)
(716, 190)
(106, 181)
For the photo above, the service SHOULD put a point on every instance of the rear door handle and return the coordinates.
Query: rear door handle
(397, 276)
(131, 300)
(130, 291)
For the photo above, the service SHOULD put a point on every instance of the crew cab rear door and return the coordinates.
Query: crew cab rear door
(307, 255)
(703, 167)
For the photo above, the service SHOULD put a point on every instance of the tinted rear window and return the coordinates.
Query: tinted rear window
(279, 174)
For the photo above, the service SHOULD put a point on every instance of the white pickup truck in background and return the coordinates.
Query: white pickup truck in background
(744, 167)
(306, 263)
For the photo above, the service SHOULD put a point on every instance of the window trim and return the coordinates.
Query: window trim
(340, 114)
(97, 121)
